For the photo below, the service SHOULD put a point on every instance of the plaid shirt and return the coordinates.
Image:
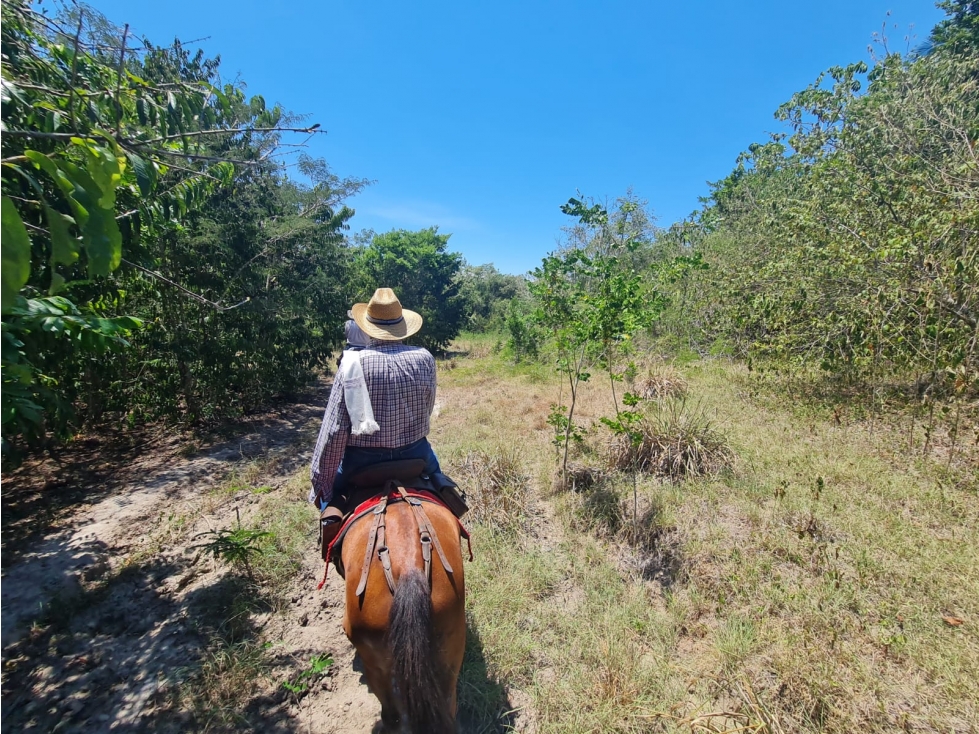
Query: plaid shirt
(401, 384)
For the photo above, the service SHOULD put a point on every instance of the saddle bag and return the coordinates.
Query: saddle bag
(450, 493)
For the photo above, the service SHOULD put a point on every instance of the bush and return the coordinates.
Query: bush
(674, 441)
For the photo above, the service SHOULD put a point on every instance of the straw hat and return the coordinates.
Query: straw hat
(383, 318)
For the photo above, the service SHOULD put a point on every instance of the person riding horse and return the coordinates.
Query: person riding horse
(407, 618)
(379, 408)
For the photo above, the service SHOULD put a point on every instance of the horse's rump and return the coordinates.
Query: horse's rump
(417, 635)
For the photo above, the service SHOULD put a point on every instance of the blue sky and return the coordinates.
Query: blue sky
(483, 118)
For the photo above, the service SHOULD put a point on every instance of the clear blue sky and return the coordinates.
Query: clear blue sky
(483, 118)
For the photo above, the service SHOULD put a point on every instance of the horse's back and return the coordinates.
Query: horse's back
(370, 612)
(411, 641)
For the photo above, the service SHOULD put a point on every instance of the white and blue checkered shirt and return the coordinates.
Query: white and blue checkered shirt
(401, 384)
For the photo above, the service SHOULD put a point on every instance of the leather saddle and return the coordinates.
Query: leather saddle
(408, 474)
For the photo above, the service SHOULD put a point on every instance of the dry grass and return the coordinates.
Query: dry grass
(496, 487)
(824, 571)
(660, 382)
(579, 477)
(676, 441)
(812, 583)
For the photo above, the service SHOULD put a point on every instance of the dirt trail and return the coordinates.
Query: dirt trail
(98, 533)
(109, 612)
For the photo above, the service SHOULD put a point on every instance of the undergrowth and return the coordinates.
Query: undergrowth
(805, 588)
(674, 440)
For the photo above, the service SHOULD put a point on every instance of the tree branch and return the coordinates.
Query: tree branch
(122, 60)
(190, 293)
(231, 131)
(74, 69)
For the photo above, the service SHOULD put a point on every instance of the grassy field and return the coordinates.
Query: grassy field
(827, 580)
(825, 583)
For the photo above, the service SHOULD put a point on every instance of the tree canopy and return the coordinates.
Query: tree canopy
(157, 260)
(852, 243)
(423, 274)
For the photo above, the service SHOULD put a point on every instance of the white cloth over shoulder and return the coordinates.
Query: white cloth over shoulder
(355, 395)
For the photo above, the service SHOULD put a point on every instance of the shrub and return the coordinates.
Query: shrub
(674, 441)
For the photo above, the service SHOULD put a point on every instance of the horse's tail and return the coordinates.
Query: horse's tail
(417, 666)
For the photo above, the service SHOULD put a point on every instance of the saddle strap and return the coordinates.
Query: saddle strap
(427, 534)
(385, 556)
(376, 524)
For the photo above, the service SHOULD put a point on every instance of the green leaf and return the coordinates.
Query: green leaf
(103, 242)
(61, 179)
(105, 169)
(57, 283)
(16, 253)
(145, 174)
(64, 247)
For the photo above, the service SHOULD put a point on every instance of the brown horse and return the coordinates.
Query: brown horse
(411, 642)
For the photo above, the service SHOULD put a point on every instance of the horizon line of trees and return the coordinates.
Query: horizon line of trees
(161, 261)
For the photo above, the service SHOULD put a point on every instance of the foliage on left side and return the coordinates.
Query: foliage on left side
(157, 262)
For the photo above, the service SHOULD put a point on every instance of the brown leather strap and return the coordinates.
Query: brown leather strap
(371, 541)
(435, 538)
(376, 539)
(383, 553)
(427, 556)
(385, 557)
(426, 533)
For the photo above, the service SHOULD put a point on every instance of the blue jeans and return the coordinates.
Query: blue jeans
(356, 458)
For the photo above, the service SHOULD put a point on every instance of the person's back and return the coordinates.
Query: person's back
(355, 338)
(401, 384)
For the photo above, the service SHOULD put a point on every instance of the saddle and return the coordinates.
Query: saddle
(409, 473)
(377, 486)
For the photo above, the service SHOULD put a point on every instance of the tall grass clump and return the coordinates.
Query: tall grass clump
(660, 382)
(672, 440)
(496, 487)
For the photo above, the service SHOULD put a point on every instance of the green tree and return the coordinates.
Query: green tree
(111, 149)
(592, 301)
(423, 274)
(487, 294)
(852, 244)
